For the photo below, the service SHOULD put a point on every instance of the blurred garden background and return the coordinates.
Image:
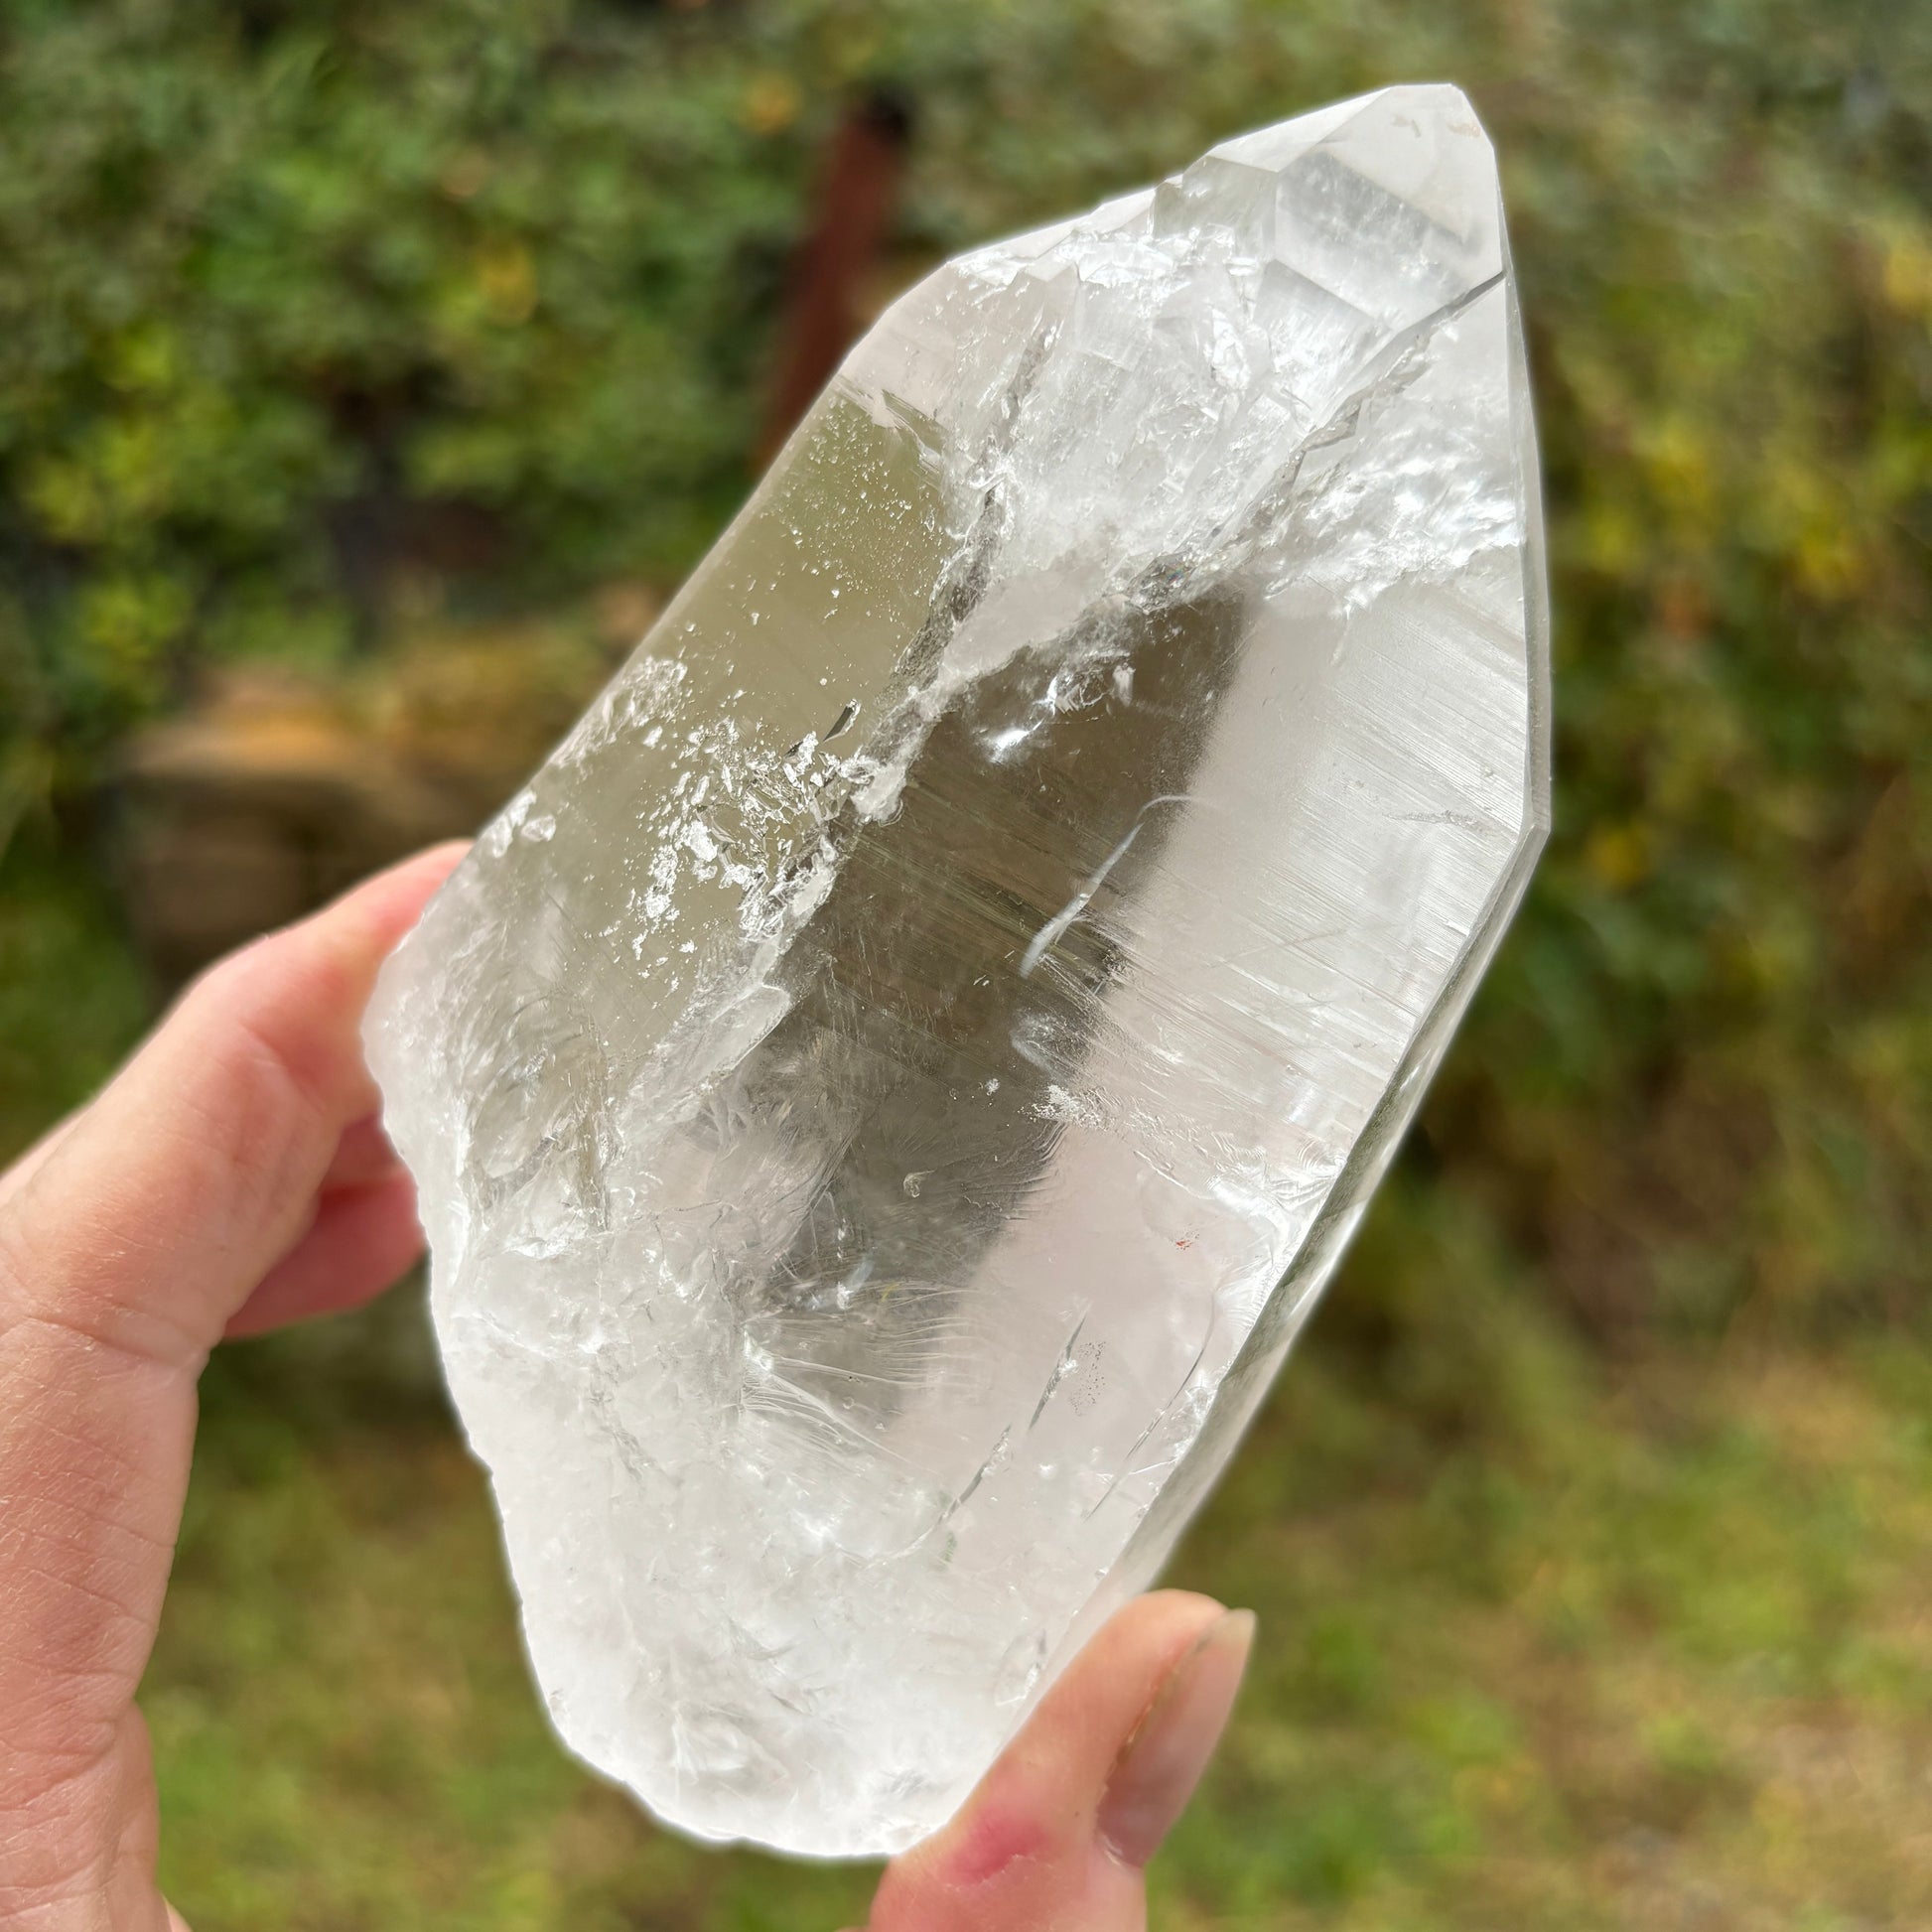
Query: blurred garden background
(368, 373)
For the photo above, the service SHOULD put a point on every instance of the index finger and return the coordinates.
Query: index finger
(145, 1220)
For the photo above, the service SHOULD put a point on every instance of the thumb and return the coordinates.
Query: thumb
(1059, 1832)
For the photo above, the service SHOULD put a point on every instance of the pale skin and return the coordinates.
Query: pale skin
(233, 1177)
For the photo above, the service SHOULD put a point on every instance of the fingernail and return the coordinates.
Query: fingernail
(1162, 1762)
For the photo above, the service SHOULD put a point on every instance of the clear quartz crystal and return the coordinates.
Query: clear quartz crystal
(888, 1092)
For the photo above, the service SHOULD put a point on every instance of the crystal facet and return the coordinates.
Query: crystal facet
(887, 1093)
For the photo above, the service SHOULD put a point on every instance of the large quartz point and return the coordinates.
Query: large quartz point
(888, 1092)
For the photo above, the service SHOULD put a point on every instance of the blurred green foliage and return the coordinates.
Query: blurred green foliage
(317, 313)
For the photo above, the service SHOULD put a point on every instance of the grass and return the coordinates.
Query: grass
(1660, 1656)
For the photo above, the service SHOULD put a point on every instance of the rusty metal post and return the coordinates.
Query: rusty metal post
(857, 196)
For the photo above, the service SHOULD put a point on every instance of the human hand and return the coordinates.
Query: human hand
(233, 1177)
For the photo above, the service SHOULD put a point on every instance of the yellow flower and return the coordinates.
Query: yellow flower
(509, 279)
(771, 103)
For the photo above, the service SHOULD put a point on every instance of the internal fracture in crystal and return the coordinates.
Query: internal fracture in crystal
(887, 1093)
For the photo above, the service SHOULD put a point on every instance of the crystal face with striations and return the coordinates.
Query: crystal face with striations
(887, 1093)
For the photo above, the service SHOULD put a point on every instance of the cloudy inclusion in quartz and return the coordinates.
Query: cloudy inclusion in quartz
(887, 1093)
